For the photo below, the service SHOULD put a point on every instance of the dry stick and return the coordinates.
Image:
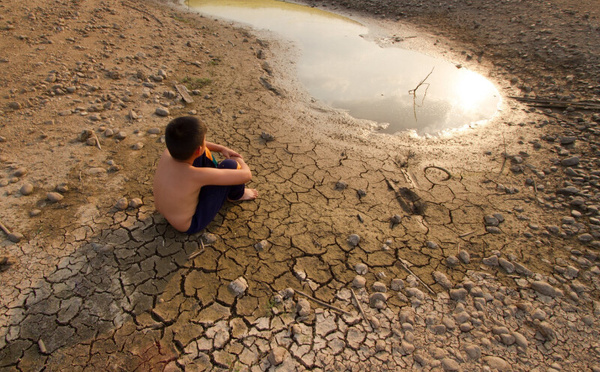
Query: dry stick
(466, 234)
(142, 11)
(362, 312)
(4, 228)
(198, 252)
(323, 303)
(96, 139)
(405, 267)
(505, 155)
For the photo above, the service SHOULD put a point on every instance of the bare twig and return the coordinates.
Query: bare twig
(95, 137)
(466, 234)
(142, 11)
(360, 309)
(323, 303)
(414, 93)
(197, 252)
(405, 267)
(505, 155)
(4, 228)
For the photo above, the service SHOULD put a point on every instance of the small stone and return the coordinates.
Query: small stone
(432, 245)
(238, 287)
(380, 345)
(441, 279)
(26, 189)
(162, 111)
(397, 284)
(407, 347)
(20, 172)
(361, 268)
(473, 351)
(464, 256)
(122, 204)
(132, 115)
(262, 245)
(209, 238)
(491, 261)
(303, 307)
(396, 219)
(137, 146)
(496, 363)
(452, 261)
(569, 162)
(341, 185)
(449, 364)
(136, 203)
(493, 230)
(378, 300)
(544, 288)
(287, 293)
(353, 240)
(491, 220)
(458, 294)
(276, 356)
(506, 265)
(54, 197)
(379, 287)
(520, 340)
(267, 136)
(154, 131)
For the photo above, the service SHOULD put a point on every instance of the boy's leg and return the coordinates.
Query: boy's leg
(211, 198)
(236, 191)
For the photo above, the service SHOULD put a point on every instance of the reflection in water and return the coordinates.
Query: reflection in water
(341, 68)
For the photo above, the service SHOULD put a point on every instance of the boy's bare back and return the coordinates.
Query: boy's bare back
(175, 191)
(177, 185)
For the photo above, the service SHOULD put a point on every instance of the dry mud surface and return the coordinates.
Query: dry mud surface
(478, 251)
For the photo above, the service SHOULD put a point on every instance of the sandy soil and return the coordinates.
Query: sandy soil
(88, 86)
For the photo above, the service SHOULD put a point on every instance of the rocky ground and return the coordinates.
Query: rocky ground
(478, 251)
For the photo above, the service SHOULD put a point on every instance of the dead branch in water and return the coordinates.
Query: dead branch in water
(414, 93)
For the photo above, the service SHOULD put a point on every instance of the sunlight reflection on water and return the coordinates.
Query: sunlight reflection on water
(341, 68)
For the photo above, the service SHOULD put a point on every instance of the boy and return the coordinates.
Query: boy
(189, 186)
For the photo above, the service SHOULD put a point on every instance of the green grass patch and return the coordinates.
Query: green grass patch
(193, 83)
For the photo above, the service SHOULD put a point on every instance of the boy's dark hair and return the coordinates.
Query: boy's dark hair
(183, 136)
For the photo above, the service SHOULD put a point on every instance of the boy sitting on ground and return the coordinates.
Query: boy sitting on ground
(189, 186)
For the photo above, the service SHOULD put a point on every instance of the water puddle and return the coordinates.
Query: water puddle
(341, 67)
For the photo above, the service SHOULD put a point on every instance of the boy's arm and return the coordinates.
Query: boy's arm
(226, 152)
(224, 177)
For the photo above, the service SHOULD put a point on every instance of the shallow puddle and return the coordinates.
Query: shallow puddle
(339, 66)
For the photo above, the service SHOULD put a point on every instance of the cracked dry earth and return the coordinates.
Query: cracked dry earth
(461, 256)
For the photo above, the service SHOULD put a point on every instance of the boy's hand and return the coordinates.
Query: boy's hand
(229, 153)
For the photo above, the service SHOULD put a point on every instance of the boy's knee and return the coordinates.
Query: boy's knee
(228, 164)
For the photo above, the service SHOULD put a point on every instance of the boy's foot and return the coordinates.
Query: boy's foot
(249, 194)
